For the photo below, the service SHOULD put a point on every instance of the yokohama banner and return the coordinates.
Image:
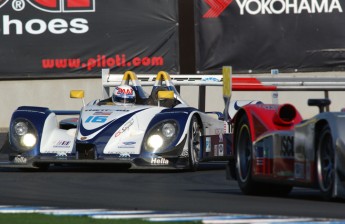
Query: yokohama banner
(260, 35)
(68, 38)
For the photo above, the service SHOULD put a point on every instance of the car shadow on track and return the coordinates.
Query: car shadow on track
(296, 194)
(113, 168)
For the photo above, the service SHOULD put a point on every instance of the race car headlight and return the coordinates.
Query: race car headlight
(28, 140)
(21, 128)
(155, 141)
(168, 130)
(161, 136)
(23, 135)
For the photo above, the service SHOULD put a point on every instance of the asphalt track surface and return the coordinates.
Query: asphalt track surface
(206, 190)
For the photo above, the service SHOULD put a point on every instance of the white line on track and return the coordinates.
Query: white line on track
(161, 216)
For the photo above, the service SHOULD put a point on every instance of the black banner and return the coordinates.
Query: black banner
(260, 35)
(60, 38)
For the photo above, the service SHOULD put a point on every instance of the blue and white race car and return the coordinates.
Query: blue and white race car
(134, 129)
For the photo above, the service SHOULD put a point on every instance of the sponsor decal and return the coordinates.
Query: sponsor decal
(124, 127)
(102, 113)
(124, 91)
(220, 137)
(268, 107)
(127, 145)
(61, 154)
(101, 61)
(54, 6)
(216, 7)
(57, 152)
(255, 7)
(62, 144)
(124, 155)
(159, 161)
(19, 159)
(105, 111)
(96, 119)
(276, 7)
(97, 110)
(210, 79)
(13, 26)
(220, 150)
(37, 26)
(227, 128)
(215, 150)
(208, 144)
(287, 146)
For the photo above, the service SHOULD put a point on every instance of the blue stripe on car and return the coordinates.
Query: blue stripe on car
(103, 137)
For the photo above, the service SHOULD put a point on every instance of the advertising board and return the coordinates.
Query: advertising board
(260, 35)
(71, 38)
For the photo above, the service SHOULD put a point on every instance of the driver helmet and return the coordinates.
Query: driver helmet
(123, 95)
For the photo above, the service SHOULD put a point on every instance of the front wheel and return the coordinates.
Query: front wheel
(244, 166)
(325, 163)
(244, 157)
(194, 146)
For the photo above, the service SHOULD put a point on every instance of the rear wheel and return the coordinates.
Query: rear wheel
(325, 163)
(194, 136)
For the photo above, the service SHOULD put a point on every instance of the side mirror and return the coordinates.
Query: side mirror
(320, 103)
(165, 95)
(77, 94)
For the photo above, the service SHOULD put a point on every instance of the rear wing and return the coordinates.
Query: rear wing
(112, 80)
(237, 83)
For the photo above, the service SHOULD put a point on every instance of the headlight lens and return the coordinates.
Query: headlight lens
(28, 140)
(155, 141)
(23, 135)
(161, 136)
(168, 130)
(21, 128)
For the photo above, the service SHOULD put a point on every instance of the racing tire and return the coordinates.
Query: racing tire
(194, 146)
(325, 163)
(244, 157)
(244, 166)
